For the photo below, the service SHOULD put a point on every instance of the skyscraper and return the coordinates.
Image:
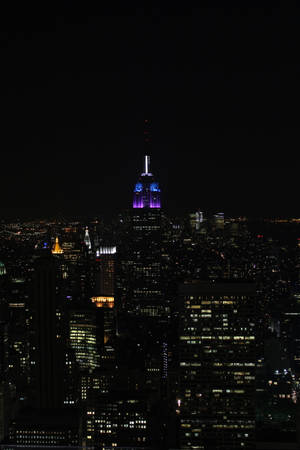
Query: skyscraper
(139, 262)
(146, 292)
(217, 365)
(105, 281)
(105, 291)
(146, 191)
(48, 352)
(83, 337)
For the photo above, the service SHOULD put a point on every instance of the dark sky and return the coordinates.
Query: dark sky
(220, 86)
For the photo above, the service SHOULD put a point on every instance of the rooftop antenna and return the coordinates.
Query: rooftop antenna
(147, 164)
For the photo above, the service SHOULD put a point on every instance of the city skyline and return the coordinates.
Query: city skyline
(149, 227)
(167, 333)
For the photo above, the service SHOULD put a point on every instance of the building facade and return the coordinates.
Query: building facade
(146, 290)
(217, 365)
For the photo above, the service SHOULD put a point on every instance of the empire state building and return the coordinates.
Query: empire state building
(146, 292)
(147, 191)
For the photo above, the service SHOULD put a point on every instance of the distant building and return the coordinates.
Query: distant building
(2, 269)
(19, 331)
(196, 219)
(57, 250)
(87, 239)
(219, 221)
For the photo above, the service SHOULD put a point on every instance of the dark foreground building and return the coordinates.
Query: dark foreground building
(45, 421)
(48, 354)
(46, 427)
(217, 365)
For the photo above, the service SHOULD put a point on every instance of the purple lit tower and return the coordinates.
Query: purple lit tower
(144, 296)
(146, 191)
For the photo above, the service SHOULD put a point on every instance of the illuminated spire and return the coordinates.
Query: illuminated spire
(87, 239)
(57, 250)
(146, 191)
(147, 164)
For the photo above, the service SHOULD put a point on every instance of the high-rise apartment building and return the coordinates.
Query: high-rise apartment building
(217, 365)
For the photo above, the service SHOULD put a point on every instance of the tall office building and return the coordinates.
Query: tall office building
(83, 336)
(196, 219)
(139, 252)
(104, 297)
(146, 292)
(105, 281)
(48, 352)
(4, 324)
(217, 365)
(117, 419)
(146, 191)
(19, 332)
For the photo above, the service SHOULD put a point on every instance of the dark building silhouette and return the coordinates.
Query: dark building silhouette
(217, 365)
(4, 322)
(104, 297)
(49, 428)
(48, 356)
(105, 282)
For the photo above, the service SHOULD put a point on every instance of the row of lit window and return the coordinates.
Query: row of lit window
(58, 433)
(247, 338)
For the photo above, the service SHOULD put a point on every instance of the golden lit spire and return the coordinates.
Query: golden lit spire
(57, 250)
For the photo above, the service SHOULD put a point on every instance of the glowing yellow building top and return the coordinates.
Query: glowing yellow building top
(57, 250)
(103, 302)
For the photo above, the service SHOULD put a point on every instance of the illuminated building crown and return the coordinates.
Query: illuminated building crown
(57, 250)
(146, 191)
(87, 239)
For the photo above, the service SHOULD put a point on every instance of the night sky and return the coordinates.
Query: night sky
(220, 86)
